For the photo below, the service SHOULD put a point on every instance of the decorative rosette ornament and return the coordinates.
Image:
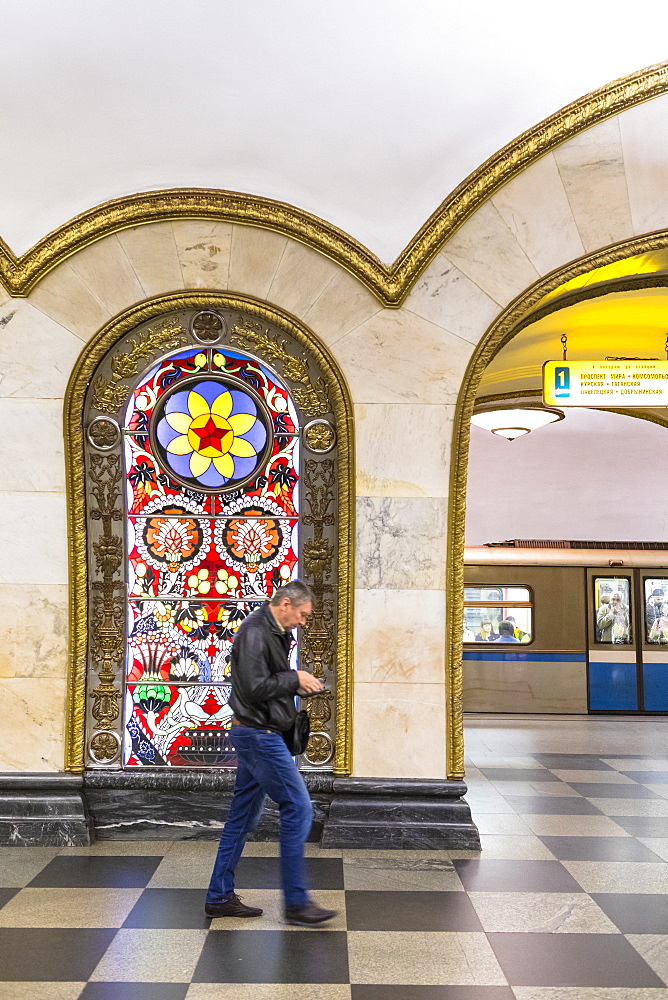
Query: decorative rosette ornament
(212, 434)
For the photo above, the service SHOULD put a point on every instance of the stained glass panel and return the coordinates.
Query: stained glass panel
(177, 725)
(176, 553)
(212, 475)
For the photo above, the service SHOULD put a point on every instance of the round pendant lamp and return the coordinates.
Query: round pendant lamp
(515, 419)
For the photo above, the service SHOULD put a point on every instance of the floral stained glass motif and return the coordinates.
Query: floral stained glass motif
(212, 467)
(178, 725)
(211, 435)
(174, 554)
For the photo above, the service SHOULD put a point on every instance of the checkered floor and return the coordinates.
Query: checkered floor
(567, 900)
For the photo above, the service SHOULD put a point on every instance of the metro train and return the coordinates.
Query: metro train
(566, 627)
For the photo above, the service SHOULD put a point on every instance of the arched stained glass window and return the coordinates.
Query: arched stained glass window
(212, 480)
(212, 474)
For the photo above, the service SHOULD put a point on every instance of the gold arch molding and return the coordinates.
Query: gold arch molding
(505, 327)
(91, 356)
(390, 283)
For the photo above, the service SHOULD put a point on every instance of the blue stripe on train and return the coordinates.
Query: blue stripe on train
(613, 687)
(655, 683)
(521, 654)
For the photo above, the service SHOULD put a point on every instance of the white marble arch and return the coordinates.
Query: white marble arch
(601, 187)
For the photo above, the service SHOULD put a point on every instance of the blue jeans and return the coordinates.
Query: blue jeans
(264, 767)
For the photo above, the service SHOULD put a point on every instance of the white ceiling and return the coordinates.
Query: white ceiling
(365, 112)
(598, 478)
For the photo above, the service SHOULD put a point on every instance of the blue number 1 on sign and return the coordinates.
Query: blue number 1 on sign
(562, 382)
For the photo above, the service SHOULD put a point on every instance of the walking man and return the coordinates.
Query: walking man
(263, 701)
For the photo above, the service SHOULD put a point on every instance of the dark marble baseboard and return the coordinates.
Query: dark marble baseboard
(181, 805)
(43, 810)
(381, 813)
(192, 805)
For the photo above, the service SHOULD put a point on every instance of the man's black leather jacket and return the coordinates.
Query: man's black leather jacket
(263, 685)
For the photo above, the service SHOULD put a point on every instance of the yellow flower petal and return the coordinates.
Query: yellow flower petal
(222, 405)
(197, 404)
(225, 466)
(240, 422)
(179, 446)
(199, 464)
(242, 449)
(179, 421)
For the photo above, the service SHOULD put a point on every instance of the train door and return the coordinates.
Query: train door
(653, 594)
(628, 641)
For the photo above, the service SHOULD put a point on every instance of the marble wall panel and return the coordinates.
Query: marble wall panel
(402, 450)
(31, 444)
(525, 687)
(33, 529)
(399, 730)
(203, 250)
(446, 296)
(151, 251)
(400, 636)
(254, 258)
(591, 166)
(344, 304)
(65, 297)
(33, 630)
(33, 737)
(300, 279)
(486, 250)
(36, 353)
(397, 357)
(401, 543)
(644, 132)
(106, 270)
(535, 207)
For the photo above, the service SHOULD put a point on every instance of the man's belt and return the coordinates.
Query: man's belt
(235, 722)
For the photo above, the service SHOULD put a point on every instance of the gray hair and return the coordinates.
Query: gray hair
(296, 592)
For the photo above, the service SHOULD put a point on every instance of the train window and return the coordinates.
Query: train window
(656, 610)
(613, 609)
(498, 614)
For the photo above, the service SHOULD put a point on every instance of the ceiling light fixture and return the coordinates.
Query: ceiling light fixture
(516, 419)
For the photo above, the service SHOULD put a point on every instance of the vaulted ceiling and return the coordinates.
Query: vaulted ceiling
(367, 114)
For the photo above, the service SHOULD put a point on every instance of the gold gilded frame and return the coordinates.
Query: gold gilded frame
(88, 361)
(390, 283)
(504, 328)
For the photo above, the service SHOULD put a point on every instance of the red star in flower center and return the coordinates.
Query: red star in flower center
(211, 435)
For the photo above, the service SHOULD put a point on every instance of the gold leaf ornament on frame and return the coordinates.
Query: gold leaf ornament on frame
(108, 394)
(320, 749)
(208, 327)
(104, 433)
(104, 747)
(319, 436)
(311, 397)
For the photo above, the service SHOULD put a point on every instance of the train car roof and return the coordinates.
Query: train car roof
(564, 552)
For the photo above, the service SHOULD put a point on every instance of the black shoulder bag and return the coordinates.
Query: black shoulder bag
(297, 736)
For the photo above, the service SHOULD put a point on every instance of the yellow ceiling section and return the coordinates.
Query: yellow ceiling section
(621, 324)
(646, 263)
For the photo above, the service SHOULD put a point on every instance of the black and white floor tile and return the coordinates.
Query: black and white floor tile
(568, 901)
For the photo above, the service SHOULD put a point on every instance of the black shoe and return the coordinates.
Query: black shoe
(231, 907)
(309, 913)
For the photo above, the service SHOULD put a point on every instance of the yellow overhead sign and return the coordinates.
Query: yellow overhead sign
(605, 383)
